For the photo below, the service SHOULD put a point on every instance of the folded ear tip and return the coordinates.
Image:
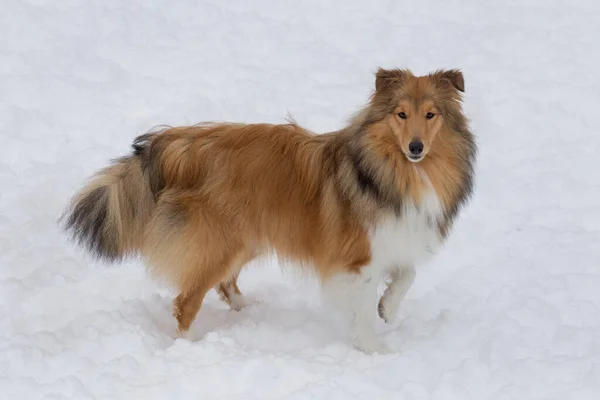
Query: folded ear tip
(382, 73)
(387, 77)
(460, 81)
(455, 76)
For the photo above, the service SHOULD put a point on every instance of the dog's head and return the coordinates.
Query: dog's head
(416, 108)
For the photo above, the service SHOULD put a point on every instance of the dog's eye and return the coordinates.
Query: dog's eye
(402, 115)
(429, 115)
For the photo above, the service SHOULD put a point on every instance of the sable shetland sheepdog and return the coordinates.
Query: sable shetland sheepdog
(358, 205)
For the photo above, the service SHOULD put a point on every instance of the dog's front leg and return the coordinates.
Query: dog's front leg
(402, 279)
(363, 316)
(356, 293)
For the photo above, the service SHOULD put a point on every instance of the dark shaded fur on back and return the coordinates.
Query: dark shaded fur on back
(149, 155)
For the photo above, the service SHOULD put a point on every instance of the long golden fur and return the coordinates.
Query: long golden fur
(199, 202)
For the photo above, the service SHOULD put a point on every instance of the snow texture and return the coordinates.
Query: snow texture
(509, 309)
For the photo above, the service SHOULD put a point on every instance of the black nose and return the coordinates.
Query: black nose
(415, 147)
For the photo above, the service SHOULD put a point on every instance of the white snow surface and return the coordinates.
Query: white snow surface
(509, 309)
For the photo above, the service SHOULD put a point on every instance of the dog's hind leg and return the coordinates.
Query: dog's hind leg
(229, 291)
(189, 301)
(195, 287)
(192, 247)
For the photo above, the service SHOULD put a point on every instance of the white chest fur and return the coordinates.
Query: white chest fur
(398, 243)
(410, 238)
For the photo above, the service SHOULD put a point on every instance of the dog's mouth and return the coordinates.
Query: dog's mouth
(415, 159)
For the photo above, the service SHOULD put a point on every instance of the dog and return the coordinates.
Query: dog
(357, 206)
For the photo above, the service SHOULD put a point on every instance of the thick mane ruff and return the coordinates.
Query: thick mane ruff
(384, 173)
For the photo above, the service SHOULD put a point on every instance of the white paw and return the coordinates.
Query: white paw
(237, 302)
(387, 311)
(187, 335)
(371, 345)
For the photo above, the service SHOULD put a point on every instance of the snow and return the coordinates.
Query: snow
(509, 309)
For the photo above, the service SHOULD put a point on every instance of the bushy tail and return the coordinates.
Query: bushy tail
(108, 215)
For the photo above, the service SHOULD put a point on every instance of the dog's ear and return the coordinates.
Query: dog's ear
(385, 78)
(452, 79)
